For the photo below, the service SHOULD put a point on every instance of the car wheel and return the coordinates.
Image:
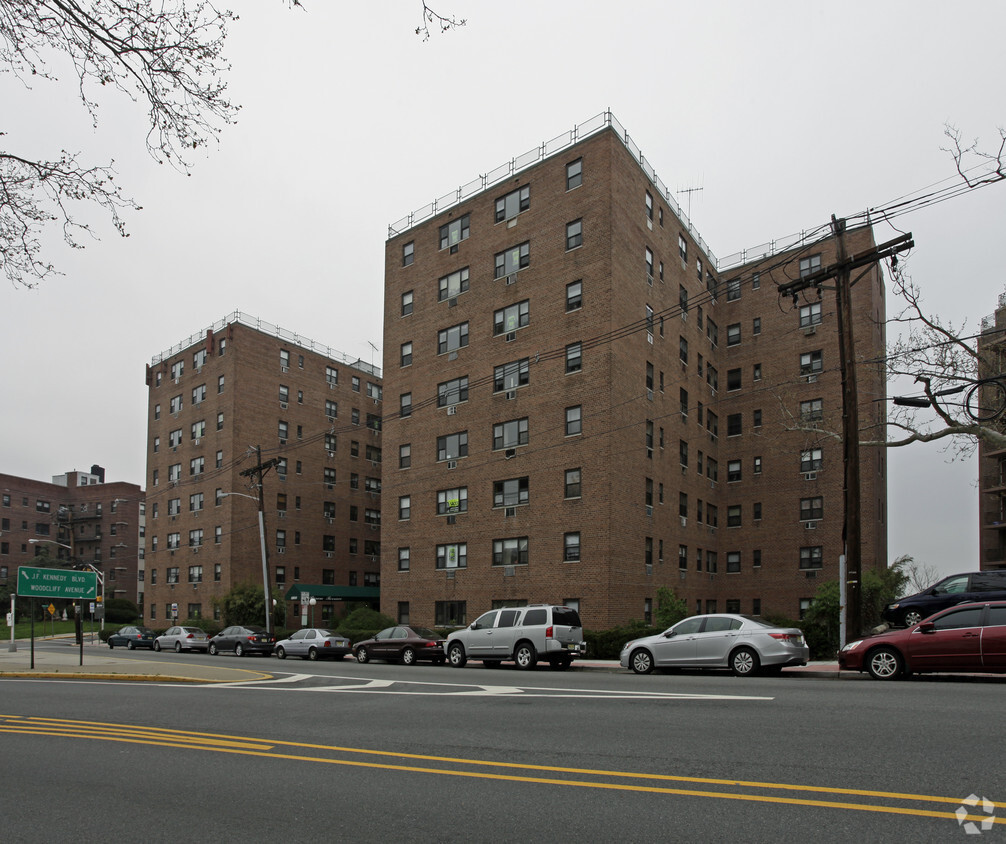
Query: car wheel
(239, 650)
(641, 661)
(312, 653)
(178, 647)
(456, 655)
(111, 644)
(525, 656)
(912, 617)
(884, 664)
(743, 662)
(281, 652)
(362, 656)
(213, 648)
(157, 646)
(129, 645)
(491, 663)
(408, 656)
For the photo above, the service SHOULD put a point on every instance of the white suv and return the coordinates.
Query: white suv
(522, 634)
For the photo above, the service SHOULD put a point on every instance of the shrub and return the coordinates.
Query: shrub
(364, 618)
(120, 611)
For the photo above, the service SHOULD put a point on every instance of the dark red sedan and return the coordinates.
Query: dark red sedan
(969, 638)
(403, 644)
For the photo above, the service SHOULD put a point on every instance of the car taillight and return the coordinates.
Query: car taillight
(189, 636)
(548, 632)
(784, 636)
(327, 644)
(431, 645)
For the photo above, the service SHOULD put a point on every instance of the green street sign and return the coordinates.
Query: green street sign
(56, 583)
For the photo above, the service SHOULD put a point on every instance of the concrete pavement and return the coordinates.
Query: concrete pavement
(102, 663)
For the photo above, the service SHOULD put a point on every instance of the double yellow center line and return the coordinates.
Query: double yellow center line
(916, 805)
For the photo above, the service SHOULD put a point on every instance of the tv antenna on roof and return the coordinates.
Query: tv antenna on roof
(373, 349)
(690, 191)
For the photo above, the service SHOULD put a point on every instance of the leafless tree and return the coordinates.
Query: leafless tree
(989, 167)
(917, 575)
(165, 55)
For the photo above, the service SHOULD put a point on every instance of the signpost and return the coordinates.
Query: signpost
(55, 583)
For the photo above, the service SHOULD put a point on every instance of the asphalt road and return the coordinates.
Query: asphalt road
(390, 753)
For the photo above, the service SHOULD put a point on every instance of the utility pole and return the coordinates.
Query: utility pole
(259, 471)
(841, 271)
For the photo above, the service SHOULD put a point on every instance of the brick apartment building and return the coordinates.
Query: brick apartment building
(992, 461)
(241, 392)
(585, 405)
(77, 518)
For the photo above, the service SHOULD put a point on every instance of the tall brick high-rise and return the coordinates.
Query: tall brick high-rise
(991, 460)
(241, 392)
(586, 406)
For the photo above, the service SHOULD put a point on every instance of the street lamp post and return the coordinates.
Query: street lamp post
(265, 559)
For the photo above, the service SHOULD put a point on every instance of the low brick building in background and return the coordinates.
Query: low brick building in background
(221, 401)
(78, 518)
(585, 405)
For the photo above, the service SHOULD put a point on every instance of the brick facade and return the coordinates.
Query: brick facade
(609, 545)
(243, 387)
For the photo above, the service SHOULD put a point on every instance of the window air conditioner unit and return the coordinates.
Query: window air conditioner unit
(511, 336)
(510, 452)
(509, 571)
(284, 369)
(330, 520)
(809, 330)
(451, 519)
(331, 385)
(684, 521)
(810, 476)
(511, 394)
(649, 509)
(649, 394)
(280, 550)
(649, 337)
(810, 525)
(452, 464)
(452, 302)
(328, 554)
(649, 568)
(281, 514)
(811, 379)
(452, 409)
(649, 279)
(450, 574)
(510, 279)
(509, 511)
(331, 454)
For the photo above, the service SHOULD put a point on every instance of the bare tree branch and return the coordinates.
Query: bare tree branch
(430, 17)
(960, 153)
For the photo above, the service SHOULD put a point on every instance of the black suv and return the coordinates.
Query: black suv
(956, 589)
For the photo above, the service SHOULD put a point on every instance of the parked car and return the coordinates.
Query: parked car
(182, 639)
(250, 639)
(744, 645)
(521, 634)
(132, 636)
(403, 644)
(967, 637)
(314, 643)
(956, 589)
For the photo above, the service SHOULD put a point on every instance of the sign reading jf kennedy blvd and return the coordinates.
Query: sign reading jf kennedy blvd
(56, 583)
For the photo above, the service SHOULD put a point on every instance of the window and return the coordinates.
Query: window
(175, 405)
(513, 259)
(811, 509)
(196, 465)
(733, 379)
(199, 394)
(756, 511)
(571, 547)
(810, 315)
(809, 265)
(811, 363)
(331, 409)
(811, 557)
(574, 234)
(734, 334)
(511, 318)
(649, 206)
(452, 392)
(683, 349)
(510, 434)
(283, 430)
(573, 487)
(453, 338)
(756, 325)
(734, 425)
(811, 411)
(683, 249)
(403, 559)
(683, 557)
(733, 565)
(509, 206)
(574, 174)
(511, 375)
(756, 372)
(195, 502)
(510, 552)
(408, 253)
(733, 471)
(756, 418)
(404, 455)
(649, 265)
(452, 446)
(574, 358)
(407, 303)
(734, 515)
(733, 289)
(511, 492)
(220, 384)
(712, 332)
(404, 507)
(683, 452)
(574, 295)
(329, 477)
(173, 574)
(452, 233)
(451, 501)
(810, 460)
(757, 465)
(452, 556)
(453, 285)
(574, 420)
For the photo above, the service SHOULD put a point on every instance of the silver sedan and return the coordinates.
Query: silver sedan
(182, 639)
(314, 643)
(744, 645)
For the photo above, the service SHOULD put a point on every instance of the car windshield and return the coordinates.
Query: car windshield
(566, 616)
(425, 633)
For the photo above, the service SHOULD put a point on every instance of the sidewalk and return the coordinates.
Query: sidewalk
(102, 663)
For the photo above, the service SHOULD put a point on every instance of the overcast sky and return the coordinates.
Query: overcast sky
(783, 113)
